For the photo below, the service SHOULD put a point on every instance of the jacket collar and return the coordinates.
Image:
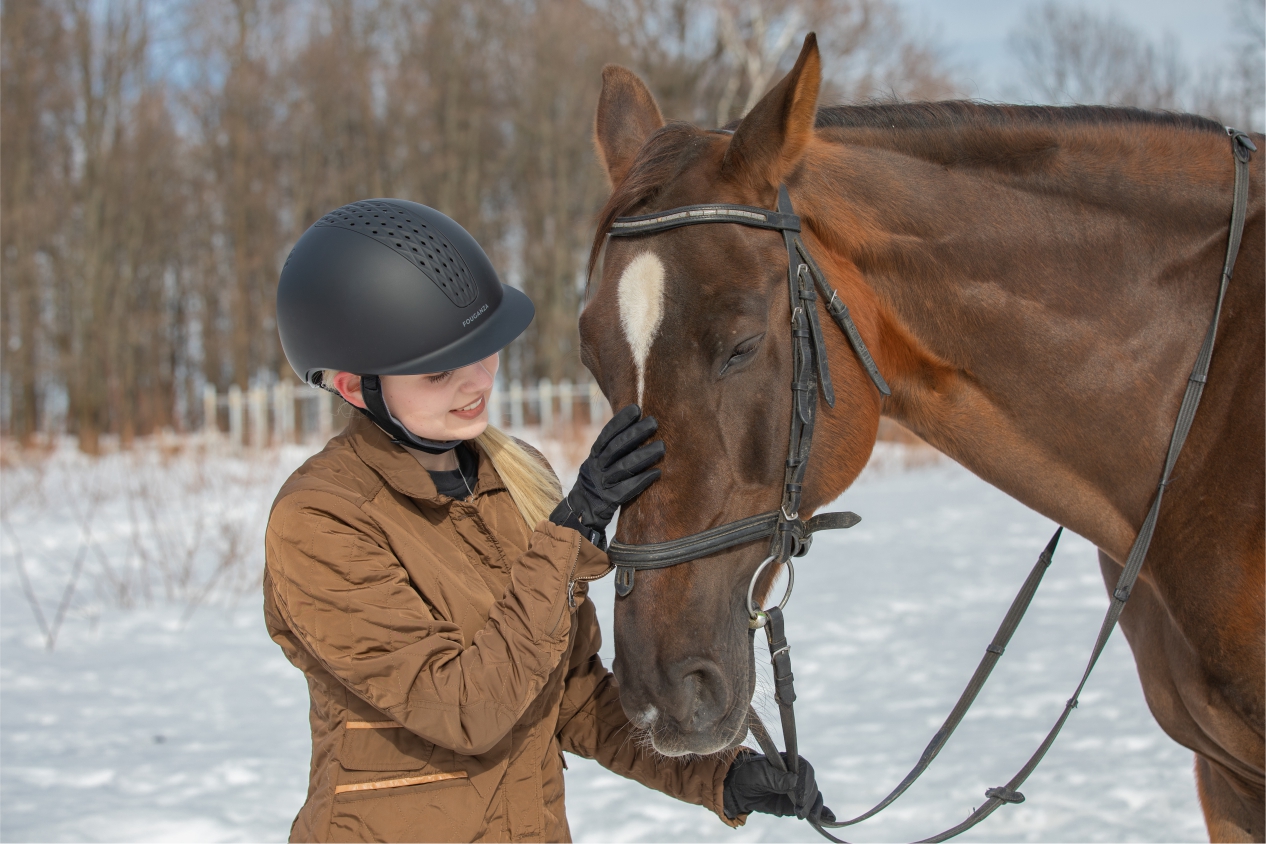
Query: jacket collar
(399, 468)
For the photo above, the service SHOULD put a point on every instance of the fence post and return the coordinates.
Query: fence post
(235, 416)
(516, 404)
(258, 399)
(595, 403)
(545, 397)
(564, 402)
(275, 399)
(325, 414)
(494, 406)
(283, 412)
(288, 411)
(210, 415)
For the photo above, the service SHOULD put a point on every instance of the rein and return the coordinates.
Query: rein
(791, 536)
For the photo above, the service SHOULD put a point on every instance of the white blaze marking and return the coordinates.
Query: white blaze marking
(641, 309)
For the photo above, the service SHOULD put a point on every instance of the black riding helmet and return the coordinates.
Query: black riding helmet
(391, 287)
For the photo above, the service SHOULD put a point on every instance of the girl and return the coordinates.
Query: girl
(424, 574)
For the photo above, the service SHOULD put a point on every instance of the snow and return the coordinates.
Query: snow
(177, 719)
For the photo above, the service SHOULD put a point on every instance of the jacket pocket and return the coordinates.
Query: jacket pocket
(382, 746)
(420, 806)
(382, 788)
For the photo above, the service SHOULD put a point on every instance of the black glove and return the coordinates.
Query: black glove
(616, 471)
(755, 785)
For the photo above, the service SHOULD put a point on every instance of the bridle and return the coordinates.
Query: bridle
(790, 535)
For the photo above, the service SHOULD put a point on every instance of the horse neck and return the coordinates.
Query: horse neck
(1037, 320)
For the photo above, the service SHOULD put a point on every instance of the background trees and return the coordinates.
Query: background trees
(159, 157)
(1073, 54)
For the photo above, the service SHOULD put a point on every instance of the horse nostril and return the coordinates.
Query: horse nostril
(699, 694)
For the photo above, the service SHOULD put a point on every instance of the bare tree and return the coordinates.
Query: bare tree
(1251, 59)
(35, 105)
(757, 35)
(147, 208)
(111, 270)
(553, 175)
(238, 109)
(1074, 55)
(873, 52)
(876, 55)
(1237, 94)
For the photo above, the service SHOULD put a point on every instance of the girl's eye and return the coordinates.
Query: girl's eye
(439, 376)
(743, 353)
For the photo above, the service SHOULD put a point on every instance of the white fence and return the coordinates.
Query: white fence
(285, 413)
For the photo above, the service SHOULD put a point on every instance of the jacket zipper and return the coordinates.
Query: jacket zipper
(571, 585)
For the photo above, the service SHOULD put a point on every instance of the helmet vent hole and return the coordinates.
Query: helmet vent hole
(438, 259)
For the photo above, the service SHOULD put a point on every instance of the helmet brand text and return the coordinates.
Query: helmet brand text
(468, 320)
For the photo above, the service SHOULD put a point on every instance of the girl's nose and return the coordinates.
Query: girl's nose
(478, 378)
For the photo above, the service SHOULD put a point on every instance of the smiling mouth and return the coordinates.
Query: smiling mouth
(475, 405)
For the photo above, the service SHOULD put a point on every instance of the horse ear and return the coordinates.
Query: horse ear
(772, 137)
(627, 116)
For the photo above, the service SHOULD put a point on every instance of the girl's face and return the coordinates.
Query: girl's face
(449, 405)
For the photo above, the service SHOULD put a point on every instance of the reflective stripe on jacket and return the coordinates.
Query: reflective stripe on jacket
(446, 671)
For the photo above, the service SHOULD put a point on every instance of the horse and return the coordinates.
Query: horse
(1033, 283)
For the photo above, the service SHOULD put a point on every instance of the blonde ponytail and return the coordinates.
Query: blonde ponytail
(531, 484)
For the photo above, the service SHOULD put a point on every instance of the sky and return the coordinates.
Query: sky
(973, 33)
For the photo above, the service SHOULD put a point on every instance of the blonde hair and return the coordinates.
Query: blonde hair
(531, 484)
(533, 487)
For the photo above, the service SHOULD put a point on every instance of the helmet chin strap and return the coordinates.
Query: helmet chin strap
(376, 409)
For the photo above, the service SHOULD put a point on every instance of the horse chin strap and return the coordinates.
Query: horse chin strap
(791, 535)
(378, 412)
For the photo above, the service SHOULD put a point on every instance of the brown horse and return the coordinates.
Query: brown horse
(1034, 284)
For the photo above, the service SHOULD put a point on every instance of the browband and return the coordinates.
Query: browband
(689, 215)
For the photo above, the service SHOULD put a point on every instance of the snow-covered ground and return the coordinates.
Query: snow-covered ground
(178, 719)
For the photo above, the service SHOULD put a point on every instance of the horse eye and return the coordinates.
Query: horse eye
(743, 352)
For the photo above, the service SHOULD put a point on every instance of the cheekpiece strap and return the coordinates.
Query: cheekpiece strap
(378, 412)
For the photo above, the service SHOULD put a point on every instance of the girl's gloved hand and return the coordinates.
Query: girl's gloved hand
(753, 784)
(616, 471)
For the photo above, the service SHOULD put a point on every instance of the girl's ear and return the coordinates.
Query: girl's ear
(348, 386)
(627, 116)
(770, 140)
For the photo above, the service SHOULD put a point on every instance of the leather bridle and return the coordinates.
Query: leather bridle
(792, 535)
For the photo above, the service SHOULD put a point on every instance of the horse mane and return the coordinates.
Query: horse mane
(960, 132)
(970, 114)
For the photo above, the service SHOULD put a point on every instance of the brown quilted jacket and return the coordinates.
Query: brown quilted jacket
(446, 667)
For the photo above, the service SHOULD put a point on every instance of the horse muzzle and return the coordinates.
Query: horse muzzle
(698, 708)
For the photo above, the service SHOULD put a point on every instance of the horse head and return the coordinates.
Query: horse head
(693, 324)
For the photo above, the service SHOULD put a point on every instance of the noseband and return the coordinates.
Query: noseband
(790, 535)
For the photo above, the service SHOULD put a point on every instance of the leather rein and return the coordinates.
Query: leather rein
(790, 535)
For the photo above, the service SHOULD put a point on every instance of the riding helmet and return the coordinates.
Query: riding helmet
(391, 287)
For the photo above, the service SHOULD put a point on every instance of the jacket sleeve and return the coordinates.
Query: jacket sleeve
(350, 602)
(592, 724)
